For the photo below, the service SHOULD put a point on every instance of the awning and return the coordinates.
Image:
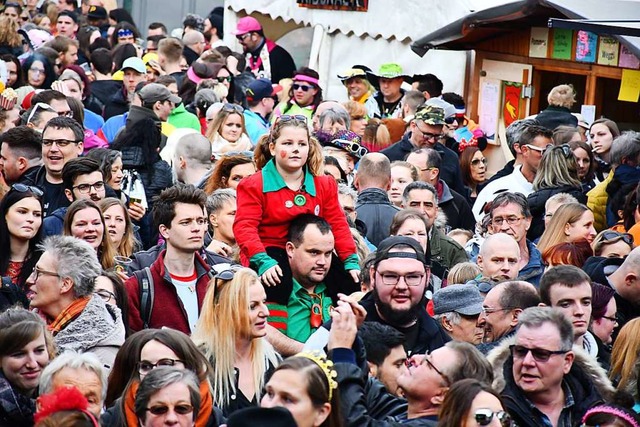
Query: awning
(625, 27)
(483, 25)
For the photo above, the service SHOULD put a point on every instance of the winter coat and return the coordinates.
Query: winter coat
(587, 381)
(597, 202)
(554, 116)
(16, 409)
(98, 330)
(537, 200)
(377, 212)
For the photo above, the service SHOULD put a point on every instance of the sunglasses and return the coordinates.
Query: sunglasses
(476, 162)
(539, 354)
(292, 118)
(352, 147)
(303, 88)
(484, 417)
(38, 106)
(614, 236)
(21, 188)
(566, 150)
(224, 79)
(182, 409)
(230, 108)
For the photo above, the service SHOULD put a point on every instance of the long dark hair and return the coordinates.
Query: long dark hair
(33, 255)
(144, 135)
(459, 399)
(7, 57)
(49, 72)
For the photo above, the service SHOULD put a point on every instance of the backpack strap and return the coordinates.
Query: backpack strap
(146, 289)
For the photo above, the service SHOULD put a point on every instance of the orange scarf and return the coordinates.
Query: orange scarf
(206, 405)
(68, 314)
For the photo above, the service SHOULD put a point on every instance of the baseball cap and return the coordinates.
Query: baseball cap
(431, 115)
(463, 299)
(246, 25)
(97, 12)
(154, 92)
(134, 63)
(261, 88)
(449, 109)
(385, 247)
(70, 14)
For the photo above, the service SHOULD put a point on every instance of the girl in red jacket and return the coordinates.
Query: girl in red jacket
(290, 182)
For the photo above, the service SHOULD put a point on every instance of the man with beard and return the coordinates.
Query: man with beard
(265, 58)
(399, 274)
(81, 179)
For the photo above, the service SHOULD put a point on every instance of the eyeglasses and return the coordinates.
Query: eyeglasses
(36, 70)
(241, 37)
(303, 88)
(37, 273)
(489, 310)
(539, 354)
(612, 319)
(538, 149)
(105, 295)
(144, 366)
(353, 147)
(476, 162)
(484, 416)
(21, 188)
(429, 135)
(511, 220)
(39, 105)
(59, 142)
(231, 108)
(409, 362)
(86, 188)
(182, 409)
(392, 279)
(614, 236)
(224, 79)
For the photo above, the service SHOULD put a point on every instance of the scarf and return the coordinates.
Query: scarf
(68, 314)
(262, 60)
(205, 412)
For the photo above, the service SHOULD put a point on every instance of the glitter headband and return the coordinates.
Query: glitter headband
(307, 79)
(612, 410)
(325, 365)
(125, 32)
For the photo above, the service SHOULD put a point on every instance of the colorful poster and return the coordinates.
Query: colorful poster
(586, 46)
(608, 51)
(629, 86)
(562, 42)
(538, 42)
(511, 104)
(627, 58)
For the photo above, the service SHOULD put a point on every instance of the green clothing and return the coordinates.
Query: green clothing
(445, 250)
(181, 118)
(297, 324)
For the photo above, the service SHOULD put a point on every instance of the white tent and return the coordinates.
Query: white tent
(382, 34)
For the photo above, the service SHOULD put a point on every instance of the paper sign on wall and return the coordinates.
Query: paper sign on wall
(627, 58)
(538, 42)
(608, 51)
(588, 113)
(562, 42)
(629, 86)
(489, 106)
(586, 46)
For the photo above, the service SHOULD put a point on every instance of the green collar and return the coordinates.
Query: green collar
(272, 180)
(302, 292)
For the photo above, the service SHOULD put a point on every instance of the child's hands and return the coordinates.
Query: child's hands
(272, 276)
(355, 275)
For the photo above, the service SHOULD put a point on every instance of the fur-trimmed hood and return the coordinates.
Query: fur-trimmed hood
(98, 329)
(586, 379)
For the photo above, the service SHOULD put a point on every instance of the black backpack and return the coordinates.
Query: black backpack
(145, 289)
(11, 295)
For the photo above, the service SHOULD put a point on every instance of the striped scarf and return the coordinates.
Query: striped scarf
(68, 314)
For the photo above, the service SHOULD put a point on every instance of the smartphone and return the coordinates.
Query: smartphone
(86, 67)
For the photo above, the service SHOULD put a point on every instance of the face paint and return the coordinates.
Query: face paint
(283, 154)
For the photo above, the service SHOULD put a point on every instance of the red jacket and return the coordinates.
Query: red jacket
(167, 308)
(263, 218)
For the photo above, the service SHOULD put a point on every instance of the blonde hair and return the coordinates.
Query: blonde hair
(554, 232)
(355, 109)
(562, 96)
(219, 120)
(128, 242)
(224, 321)
(9, 32)
(625, 354)
(262, 155)
(462, 272)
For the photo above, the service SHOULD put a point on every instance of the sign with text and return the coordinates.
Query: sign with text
(586, 46)
(608, 52)
(538, 42)
(348, 5)
(562, 43)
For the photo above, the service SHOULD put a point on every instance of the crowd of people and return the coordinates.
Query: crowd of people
(194, 236)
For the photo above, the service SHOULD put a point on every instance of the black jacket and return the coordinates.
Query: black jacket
(456, 209)
(553, 116)
(117, 104)
(29, 176)
(449, 170)
(377, 212)
(103, 90)
(537, 200)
